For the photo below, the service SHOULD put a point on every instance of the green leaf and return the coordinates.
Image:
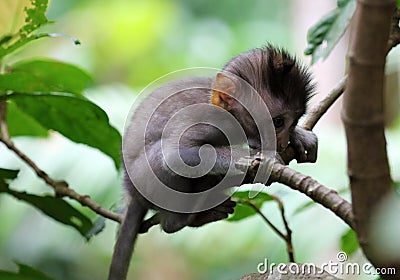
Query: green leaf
(258, 200)
(25, 272)
(44, 75)
(35, 18)
(349, 242)
(56, 208)
(98, 226)
(74, 117)
(243, 210)
(398, 3)
(21, 124)
(8, 174)
(323, 36)
(5, 176)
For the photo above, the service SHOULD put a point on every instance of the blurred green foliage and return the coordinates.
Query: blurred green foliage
(125, 45)
(136, 42)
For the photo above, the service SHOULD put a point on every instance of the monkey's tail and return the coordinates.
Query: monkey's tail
(128, 232)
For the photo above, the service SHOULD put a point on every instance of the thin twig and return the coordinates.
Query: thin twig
(40, 173)
(288, 239)
(320, 109)
(85, 200)
(255, 207)
(60, 187)
(3, 121)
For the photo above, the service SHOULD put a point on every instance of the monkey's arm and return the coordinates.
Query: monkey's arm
(217, 213)
(216, 159)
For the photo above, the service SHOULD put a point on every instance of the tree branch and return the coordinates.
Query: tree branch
(315, 114)
(328, 198)
(363, 118)
(60, 187)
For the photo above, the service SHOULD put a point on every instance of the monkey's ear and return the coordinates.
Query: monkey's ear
(222, 92)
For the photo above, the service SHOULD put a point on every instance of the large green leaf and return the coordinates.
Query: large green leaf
(242, 209)
(74, 117)
(35, 18)
(21, 124)
(349, 242)
(323, 36)
(25, 272)
(44, 75)
(56, 208)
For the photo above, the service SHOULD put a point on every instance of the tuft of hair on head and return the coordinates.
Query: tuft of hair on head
(286, 78)
(273, 70)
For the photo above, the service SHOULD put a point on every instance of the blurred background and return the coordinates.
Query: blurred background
(126, 44)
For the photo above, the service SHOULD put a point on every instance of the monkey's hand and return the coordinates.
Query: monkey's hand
(215, 214)
(305, 144)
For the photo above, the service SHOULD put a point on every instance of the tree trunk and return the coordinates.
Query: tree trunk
(363, 117)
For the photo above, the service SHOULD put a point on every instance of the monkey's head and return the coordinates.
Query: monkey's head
(282, 83)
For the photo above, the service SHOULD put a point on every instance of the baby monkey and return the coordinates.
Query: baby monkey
(277, 80)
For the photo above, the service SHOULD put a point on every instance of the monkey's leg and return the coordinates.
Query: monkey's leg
(172, 222)
(215, 214)
(147, 224)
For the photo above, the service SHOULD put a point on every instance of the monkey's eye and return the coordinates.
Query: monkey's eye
(278, 122)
